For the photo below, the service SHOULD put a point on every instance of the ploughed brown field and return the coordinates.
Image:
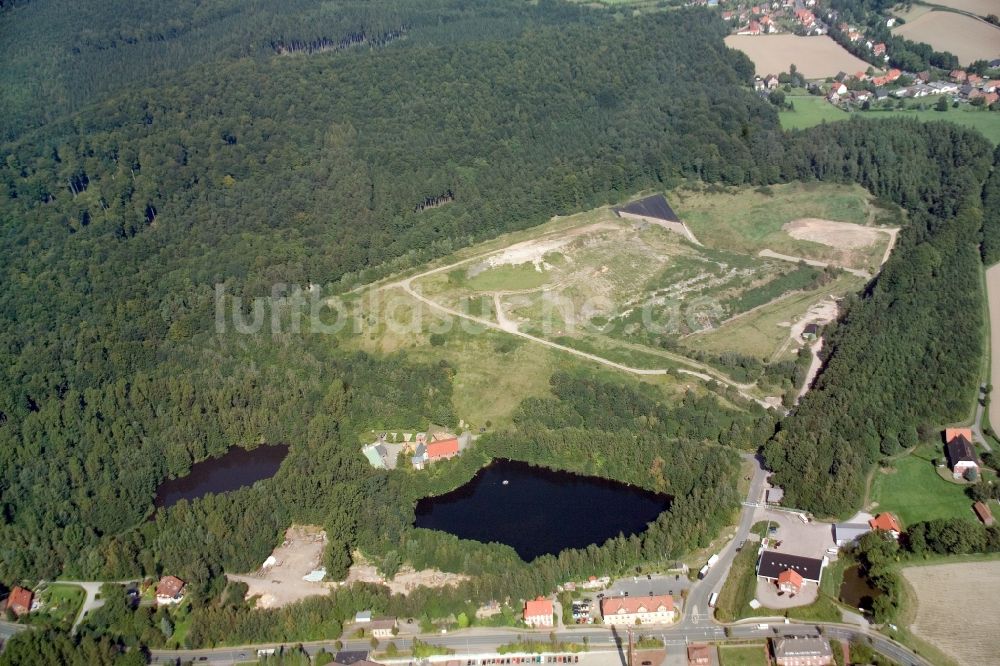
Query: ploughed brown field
(968, 38)
(815, 57)
(957, 607)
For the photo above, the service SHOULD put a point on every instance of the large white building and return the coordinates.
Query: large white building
(639, 610)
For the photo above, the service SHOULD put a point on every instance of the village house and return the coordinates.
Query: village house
(878, 49)
(886, 522)
(19, 600)
(790, 581)
(383, 627)
(772, 82)
(538, 612)
(752, 28)
(802, 651)
(699, 655)
(958, 75)
(639, 610)
(983, 513)
(772, 564)
(170, 590)
(961, 455)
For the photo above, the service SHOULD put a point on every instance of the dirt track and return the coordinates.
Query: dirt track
(993, 297)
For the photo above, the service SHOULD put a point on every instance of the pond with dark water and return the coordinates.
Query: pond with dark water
(538, 511)
(232, 471)
(855, 590)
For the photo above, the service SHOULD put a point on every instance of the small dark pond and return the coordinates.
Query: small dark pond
(855, 590)
(540, 511)
(237, 468)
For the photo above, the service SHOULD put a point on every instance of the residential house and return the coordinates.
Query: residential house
(887, 523)
(383, 627)
(657, 609)
(892, 75)
(377, 455)
(845, 534)
(752, 28)
(772, 564)
(991, 85)
(805, 17)
(170, 590)
(419, 458)
(772, 82)
(958, 75)
(878, 49)
(973, 79)
(19, 600)
(699, 654)
(853, 35)
(983, 513)
(961, 454)
(363, 617)
(790, 581)
(802, 651)
(538, 612)
(351, 657)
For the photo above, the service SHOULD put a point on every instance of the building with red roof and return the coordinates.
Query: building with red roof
(886, 522)
(538, 612)
(790, 581)
(658, 609)
(170, 590)
(19, 600)
(443, 449)
(983, 513)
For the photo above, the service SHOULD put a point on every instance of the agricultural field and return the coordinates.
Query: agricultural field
(914, 491)
(968, 38)
(812, 110)
(815, 57)
(977, 7)
(949, 591)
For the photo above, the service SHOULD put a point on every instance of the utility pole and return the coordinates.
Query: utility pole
(631, 648)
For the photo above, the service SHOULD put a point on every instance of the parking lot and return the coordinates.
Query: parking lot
(798, 538)
(640, 586)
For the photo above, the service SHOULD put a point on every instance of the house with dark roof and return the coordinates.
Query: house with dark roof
(772, 564)
(802, 651)
(961, 454)
(349, 657)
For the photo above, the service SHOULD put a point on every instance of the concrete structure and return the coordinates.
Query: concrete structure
(847, 533)
(538, 612)
(639, 610)
(772, 564)
(170, 590)
(383, 627)
(802, 651)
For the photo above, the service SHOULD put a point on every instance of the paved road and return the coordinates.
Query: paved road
(696, 609)
(977, 425)
(8, 629)
(475, 642)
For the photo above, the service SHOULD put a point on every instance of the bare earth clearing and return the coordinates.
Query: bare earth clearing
(815, 57)
(281, 583)
(952, 591)
(842, 235)
(966, 37)
(993, 297)
(406, 580)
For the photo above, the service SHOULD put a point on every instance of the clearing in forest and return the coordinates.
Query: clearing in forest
(280, 580)
(947, 592)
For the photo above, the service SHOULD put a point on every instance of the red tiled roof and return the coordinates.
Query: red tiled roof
(790, 576)
(632, 605)
(537, 607)
(699, 654)
(169, 586)
(19, 600)
(952, 433)
(445, 447)
(885, 521)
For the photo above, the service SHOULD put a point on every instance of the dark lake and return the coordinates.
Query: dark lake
(855, 590)
(540, 511)
(237, 468)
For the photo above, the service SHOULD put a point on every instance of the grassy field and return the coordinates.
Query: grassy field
(762, 332)
(61, 603)
(913, 490)
(811, 110)
(743, 655)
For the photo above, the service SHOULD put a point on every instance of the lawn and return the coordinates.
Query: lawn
(62, 603)
(914, 491)
(813, 110)
(744, 655)
(513, 278)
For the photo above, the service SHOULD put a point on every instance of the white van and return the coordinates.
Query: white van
(713, 599)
